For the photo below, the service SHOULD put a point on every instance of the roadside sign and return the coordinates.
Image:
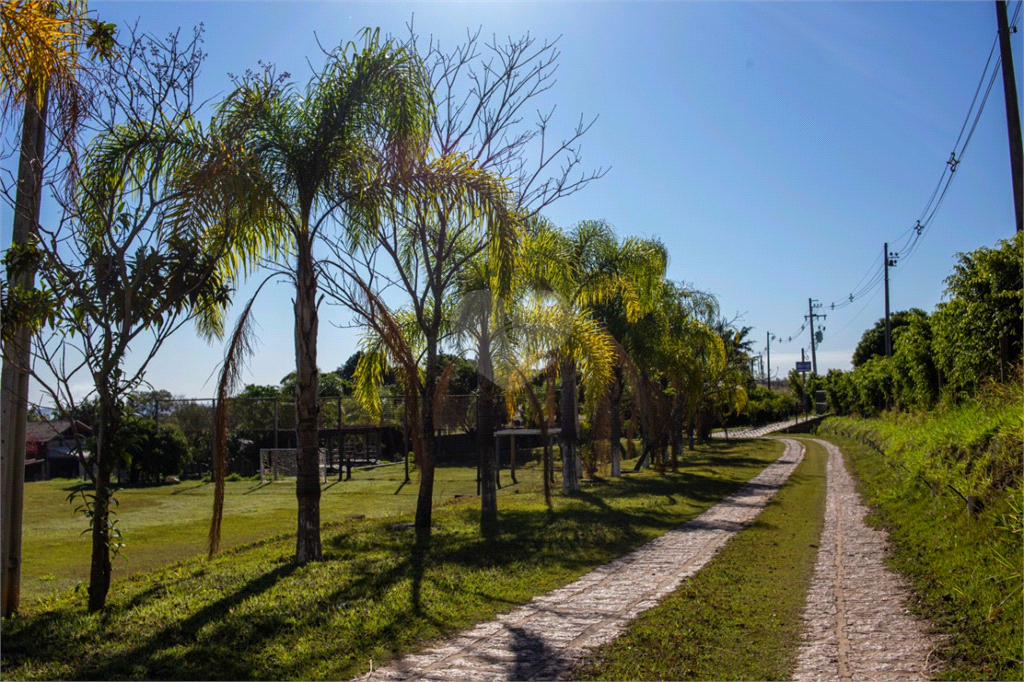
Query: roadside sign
(803, 367)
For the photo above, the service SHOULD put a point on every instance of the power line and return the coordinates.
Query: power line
(913, 235)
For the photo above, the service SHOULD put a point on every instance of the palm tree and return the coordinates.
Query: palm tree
(442, 215)
(594, 268)
(541, 334)
(324, 151)
(39, 75)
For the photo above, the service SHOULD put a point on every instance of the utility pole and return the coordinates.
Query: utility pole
(803, 385)
(768, 352)
(890, 260)
(1012, 112)
(811, 305)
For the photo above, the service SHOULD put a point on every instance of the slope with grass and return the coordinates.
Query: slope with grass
(740, 618)
(252, 613)
(966, 571)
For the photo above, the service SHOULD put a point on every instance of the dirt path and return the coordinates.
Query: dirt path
(542, 639)
(857, 627)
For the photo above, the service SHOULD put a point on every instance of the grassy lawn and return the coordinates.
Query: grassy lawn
(168, 523)
(740, 617)
(251, 613)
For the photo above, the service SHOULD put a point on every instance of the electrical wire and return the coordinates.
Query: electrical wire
(912, 236)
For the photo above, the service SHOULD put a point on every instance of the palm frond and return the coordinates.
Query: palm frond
(240, 348)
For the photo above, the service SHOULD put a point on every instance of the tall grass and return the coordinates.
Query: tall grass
(974, 448)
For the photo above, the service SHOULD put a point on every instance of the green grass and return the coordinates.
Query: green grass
(168, 523)
(740, 617)
(974, 447)
(966, 572)
(252, 613)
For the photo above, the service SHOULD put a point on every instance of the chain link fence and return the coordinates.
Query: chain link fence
(347, 431)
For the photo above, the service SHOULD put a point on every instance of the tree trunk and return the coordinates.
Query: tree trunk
(425, 499)
(485, 427)
(17, 359)
(99, 573)
(103, 461)
(570, 417)
(307, 407)
(615, 426)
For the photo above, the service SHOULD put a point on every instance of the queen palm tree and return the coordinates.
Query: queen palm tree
(327, 152)
(597, 268)
(39, 76)
(442, 215)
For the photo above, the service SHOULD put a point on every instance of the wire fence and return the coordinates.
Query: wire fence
(349, 435)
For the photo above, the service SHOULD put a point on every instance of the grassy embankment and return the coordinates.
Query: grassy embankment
(740, 617)
(966, 572)
(251, 613)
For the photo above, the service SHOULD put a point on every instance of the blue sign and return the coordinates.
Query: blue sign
(803, 367)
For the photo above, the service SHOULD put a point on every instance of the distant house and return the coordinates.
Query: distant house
(51, 449)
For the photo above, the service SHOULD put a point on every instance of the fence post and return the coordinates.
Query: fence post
(276, 401)
(213, 429)
(405, 436)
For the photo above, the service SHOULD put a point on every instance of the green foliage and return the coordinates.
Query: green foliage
(872, 342)
(986, 302)
(150, 454)
(917, 380)
(463, 379)
(975, 447)
(765, 406)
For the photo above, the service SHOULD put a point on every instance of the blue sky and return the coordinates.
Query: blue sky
(773, 147)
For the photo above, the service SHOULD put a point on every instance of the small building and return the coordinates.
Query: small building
(52, 448)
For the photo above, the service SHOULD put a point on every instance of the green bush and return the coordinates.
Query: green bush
(985, 311)
(151, 455)
(975, 447)
(764, 406)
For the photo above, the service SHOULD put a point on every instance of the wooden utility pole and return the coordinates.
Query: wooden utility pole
(1012, 113)
(768, 352)
(810, 316)
(803, 385)
(890, 260)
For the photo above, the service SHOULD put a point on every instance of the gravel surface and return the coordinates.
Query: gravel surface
(544, 638)
(857, 624)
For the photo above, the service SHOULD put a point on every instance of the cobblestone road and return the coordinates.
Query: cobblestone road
(542, 639)
(857, 626)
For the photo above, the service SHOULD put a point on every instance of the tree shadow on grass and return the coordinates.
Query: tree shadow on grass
(153, 660)
(215, 643)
